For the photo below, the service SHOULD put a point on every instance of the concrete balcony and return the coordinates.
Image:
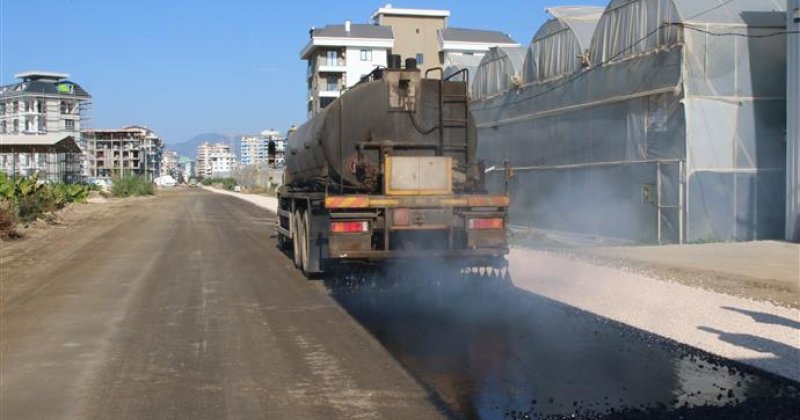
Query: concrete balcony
(338, 68)
(329, 94)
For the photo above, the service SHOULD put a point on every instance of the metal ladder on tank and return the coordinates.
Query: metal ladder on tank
(446, 98)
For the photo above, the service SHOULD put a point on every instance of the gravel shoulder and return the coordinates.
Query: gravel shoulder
(753, 332)
(766, 270)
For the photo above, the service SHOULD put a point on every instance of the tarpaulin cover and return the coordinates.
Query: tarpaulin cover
(673, 134)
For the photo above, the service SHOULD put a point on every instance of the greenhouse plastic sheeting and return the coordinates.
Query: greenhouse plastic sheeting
(500, 70)
(457, 62)
(678, 141)
(559, 46)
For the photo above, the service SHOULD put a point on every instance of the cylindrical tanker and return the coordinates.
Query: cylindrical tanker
(342, 145)
(388, 172)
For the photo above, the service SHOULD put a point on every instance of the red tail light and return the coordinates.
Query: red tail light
(349, 227)
(479, 224)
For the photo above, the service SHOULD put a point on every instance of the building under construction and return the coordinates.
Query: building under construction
(655, 121)
(126, 151)
(40, 121)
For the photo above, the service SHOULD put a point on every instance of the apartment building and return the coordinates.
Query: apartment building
(215, 160)
(170, 163)
(128, 151)
(40, 121)
(461, 48)
(416, 32)
(339, 56)
(261, 149)
(186, 168)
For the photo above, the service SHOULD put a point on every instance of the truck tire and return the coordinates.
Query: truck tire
(296, 239)
(306, 220)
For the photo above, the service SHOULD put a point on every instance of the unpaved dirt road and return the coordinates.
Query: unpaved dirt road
(181, 307)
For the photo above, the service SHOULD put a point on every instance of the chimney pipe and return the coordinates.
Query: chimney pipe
(394, 61)
(347, 26)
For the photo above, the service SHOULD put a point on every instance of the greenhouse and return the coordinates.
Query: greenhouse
(456, 63)
(500, 69)
(560, 45)
(668, 127)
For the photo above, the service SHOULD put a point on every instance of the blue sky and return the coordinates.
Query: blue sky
(190, 67)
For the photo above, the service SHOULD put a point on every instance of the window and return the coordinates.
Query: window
(323, 102)
(333, 58)
(366, 55)
(69, 125)
(332, 83)
(3, 127)
(420, 58)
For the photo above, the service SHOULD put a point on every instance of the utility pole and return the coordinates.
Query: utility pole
(793, 121)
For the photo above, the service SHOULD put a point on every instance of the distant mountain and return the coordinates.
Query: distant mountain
(188, 148)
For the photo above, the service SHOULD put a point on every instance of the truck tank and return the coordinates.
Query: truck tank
(392, 111)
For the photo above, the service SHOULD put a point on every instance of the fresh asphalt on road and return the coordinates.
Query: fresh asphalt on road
(181, 307)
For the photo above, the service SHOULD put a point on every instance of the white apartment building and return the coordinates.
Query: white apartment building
(169, 163)
(263, 148)
(40, 123)
(215, 160)
(461, 48)
(339, 56)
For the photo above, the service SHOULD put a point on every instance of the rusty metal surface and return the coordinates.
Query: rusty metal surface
(325, 150)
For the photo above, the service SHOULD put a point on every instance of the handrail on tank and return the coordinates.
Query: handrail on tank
(430, 70)
(375, 74)
(465, 71)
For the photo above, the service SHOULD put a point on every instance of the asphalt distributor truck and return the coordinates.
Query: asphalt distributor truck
(387, 173)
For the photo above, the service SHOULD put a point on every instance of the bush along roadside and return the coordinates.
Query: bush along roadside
(25, 199)
(131, 186)
(226, 183)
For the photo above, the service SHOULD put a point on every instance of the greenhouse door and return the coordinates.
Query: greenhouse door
(669, 184)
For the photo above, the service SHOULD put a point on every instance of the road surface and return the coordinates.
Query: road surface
(181, 307)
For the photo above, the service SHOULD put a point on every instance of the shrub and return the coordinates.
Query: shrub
(8, 221)
(131, 186)
(27, 199)
(226, 183)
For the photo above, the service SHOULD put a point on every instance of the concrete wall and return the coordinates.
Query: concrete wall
(414, 35)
